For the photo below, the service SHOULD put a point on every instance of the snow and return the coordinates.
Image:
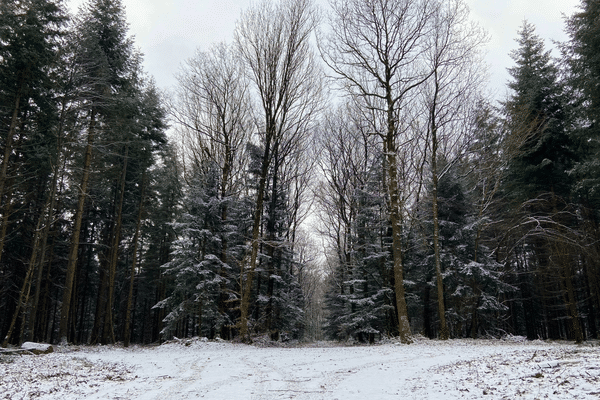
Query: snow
(36, 346)
(198, 368)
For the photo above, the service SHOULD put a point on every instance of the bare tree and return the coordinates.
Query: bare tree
(346, 154)
(274, 43)
(310, 278)
(450, 98)
(377, 49)
(213, 113)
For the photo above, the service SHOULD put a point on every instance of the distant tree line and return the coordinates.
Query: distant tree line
(441, 213)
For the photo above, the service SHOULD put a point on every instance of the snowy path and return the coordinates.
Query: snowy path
(426, 370)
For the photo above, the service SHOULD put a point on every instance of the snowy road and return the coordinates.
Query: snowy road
(194, 369)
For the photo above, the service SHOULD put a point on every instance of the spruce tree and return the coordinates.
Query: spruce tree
(537, 182)
(541, 152)
(582, 58)
(359, 297)
(30, 35)
(163, 208)
(105, 64)
(196, 262)
(473, 279)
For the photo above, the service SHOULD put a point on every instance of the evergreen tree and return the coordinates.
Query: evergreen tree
(367, 297)
(359, 297)
(583, 61)
(163, 208)
(196, 267)
(30, 36)
(582, 58)
(538, 184)
(537, 120)
(107, 78)
(473, 280)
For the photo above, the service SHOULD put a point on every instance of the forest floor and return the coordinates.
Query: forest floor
(196, 368)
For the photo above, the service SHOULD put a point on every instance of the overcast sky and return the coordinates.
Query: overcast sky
(169, 31)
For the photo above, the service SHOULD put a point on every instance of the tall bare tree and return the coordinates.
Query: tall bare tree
(378, 50)
(450, 98)
(213, 113)
(274, 43)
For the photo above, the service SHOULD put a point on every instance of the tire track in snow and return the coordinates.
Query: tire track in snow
(225, 371)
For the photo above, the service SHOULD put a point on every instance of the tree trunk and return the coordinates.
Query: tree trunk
(561, 251)
(396, 220)
(127, 330)
(72, 261)
(246, 286)
(570, 298)
(222, 302)
(269, 309)
(26, 287)
(444, 332)
(572, 304)
(6, 210)
(591, 303)
(48, 214)
(109, 331)
(97, 329)
(395, 214)
(42, 250)
(23, 295)
(33, 260)
(8, 147)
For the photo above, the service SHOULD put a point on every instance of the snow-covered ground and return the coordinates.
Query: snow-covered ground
(191, 369)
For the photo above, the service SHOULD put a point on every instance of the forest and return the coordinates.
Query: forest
(338, 174)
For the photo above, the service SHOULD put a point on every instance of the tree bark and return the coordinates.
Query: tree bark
(269, 309)
(6, 210)
(396, 220)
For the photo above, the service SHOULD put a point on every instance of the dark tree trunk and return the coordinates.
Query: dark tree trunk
(72, 261)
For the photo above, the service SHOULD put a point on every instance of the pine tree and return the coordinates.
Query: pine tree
(30, 33)
(106, 73)
(537, 119)
(582, 59)
(473, 279)
(537, 180)
(359, 297)
(163, 208)
(369, 293)
(196, 265)
(584, 68)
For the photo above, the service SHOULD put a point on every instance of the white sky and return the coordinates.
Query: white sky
(169, 31)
